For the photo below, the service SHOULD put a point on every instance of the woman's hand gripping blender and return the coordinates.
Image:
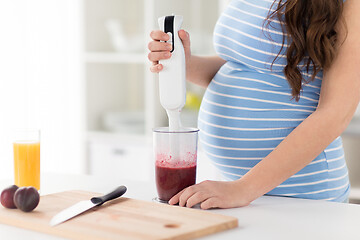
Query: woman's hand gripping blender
(210, 194)
(160, 49)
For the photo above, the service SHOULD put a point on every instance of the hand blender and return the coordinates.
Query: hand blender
(172, 79)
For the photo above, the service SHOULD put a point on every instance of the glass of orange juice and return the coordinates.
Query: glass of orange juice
(26, 145)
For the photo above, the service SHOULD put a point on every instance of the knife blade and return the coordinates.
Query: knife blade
(85, 205)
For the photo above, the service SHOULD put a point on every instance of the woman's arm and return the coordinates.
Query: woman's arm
(199, 70)
(202, 70)
(339, 97)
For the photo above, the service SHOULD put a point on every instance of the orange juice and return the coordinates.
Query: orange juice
(27, 164)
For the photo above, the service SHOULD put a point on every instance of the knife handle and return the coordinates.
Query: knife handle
(119, 191)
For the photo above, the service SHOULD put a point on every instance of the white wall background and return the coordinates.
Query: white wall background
(40, 82)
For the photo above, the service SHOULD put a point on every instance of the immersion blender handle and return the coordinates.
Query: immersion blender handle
(172, 79)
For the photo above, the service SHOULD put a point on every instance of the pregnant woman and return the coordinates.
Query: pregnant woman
(284, 85)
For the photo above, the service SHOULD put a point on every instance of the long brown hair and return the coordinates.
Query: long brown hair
(311, 29)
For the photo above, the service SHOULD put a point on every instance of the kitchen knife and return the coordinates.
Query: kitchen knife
(83, 206)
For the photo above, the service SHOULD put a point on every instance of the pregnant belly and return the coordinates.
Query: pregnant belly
(244, 115)
(237, 97)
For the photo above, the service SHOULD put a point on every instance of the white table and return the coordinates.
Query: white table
(266, 218)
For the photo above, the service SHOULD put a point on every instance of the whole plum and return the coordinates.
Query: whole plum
(7, 196)
(26, 198)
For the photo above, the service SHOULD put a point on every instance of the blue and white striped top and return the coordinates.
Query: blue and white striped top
(247, 108)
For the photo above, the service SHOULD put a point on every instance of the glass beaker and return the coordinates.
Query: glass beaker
(175, 160)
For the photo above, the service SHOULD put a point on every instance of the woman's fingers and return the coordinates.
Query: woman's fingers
(158, 51)
(155, 46)
(196, 198)
(175, 199)
(159, 35)
(209, 203)
(212, 194)
(156, 68)
(185, 39)
(156, 56)
(189, 191)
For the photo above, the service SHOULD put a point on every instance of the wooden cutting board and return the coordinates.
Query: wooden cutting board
(123, 218)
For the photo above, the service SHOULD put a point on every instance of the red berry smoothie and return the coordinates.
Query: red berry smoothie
(172, 175)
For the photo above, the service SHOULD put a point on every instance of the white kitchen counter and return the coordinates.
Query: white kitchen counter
(266, 218)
